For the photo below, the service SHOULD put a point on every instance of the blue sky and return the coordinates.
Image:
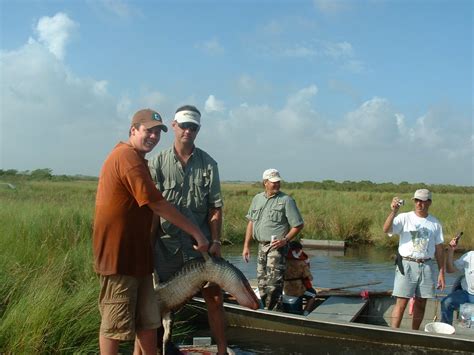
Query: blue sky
(343, 90)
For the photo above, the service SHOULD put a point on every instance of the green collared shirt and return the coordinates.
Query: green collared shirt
(193, 190)
(275, 215)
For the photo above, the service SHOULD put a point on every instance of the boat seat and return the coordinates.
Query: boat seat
(338, 308)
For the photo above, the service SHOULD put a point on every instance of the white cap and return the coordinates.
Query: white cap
(272, 175)
(188, 116)
(422, 194)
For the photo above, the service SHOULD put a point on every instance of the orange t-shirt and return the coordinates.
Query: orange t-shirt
(121, 238)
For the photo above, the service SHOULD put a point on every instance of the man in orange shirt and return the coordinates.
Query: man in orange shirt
(123, 257)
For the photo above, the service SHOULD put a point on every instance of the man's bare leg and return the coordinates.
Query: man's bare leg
(418, 312)
(398, 310)
(108, 346)
(146, 341)
(214, 301)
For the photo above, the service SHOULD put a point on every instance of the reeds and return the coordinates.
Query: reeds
(48, 290)
(356, 217)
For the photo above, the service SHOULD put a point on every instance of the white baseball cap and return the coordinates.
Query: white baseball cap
(272, 175)
(422, 194)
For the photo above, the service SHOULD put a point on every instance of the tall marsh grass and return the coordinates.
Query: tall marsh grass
(48, 290)
(356, 217)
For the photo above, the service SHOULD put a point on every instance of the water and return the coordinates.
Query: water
(338, 268)
(330, 269)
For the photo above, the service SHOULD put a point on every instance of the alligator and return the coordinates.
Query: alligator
(190, 279)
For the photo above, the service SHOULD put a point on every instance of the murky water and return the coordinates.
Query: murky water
(338, 268)
(330, 269)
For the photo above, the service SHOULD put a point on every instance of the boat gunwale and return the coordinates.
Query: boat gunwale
(370, 333)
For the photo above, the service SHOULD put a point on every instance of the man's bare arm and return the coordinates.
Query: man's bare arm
(215, 227)
(248, 239)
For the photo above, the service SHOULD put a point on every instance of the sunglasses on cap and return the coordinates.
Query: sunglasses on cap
(188, 125)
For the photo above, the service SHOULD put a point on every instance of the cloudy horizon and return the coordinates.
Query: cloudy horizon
(283, 89)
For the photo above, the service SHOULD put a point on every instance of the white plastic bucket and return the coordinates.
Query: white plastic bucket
(439, 328)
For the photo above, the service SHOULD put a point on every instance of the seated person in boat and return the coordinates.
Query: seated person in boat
(465, 292)
(298, 276)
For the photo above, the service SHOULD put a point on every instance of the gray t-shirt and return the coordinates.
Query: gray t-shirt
(193, 190)
(273, 216)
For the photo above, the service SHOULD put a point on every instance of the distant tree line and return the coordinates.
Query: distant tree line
(40, 174)
(365, 185)
(369, 186)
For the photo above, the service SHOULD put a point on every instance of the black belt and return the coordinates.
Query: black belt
(419, 261)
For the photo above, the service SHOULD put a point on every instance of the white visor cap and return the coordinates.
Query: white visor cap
(188, 116)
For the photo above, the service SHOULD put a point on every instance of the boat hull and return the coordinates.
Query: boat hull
(238, 316)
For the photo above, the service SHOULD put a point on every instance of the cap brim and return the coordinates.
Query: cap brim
(418, 198)
(274, 179)
(149, 125)
(183, 120)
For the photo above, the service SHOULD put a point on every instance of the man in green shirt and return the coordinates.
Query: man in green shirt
(273, 221)
(189, 178)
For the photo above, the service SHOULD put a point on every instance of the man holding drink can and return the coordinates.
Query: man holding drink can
(273, 220)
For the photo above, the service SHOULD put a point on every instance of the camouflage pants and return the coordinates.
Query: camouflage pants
(271, 266)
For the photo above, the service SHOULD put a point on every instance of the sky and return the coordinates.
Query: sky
(320, 90)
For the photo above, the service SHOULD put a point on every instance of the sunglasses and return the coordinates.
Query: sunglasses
(188, 125)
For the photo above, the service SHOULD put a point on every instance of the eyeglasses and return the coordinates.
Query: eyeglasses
(188, 125)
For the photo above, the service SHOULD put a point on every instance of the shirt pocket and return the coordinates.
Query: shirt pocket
(255, 214)
(200, 193)
(277, 213)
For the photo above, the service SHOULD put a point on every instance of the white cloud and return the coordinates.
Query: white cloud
(246, 83)
(51, 117)
(301, 98)
(153, 99)
(338, 50)
(213, 105)
(299, 51)
(354, 66)
(114, 9)
(425, 132)
(211, 46)
(62, 121)
(373, 142)
(55, 32)
(273, 28)
(373, 123)
(331, 6)
(119, 8)
(251, 88)
(100, 87)
(281, 38)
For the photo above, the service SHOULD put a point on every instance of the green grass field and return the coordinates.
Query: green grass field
(48, 290)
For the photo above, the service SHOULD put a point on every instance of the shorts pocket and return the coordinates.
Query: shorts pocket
(409, 272)
(117, 316)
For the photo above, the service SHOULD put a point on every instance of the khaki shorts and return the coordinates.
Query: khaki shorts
(419, 280)
(127, 304)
